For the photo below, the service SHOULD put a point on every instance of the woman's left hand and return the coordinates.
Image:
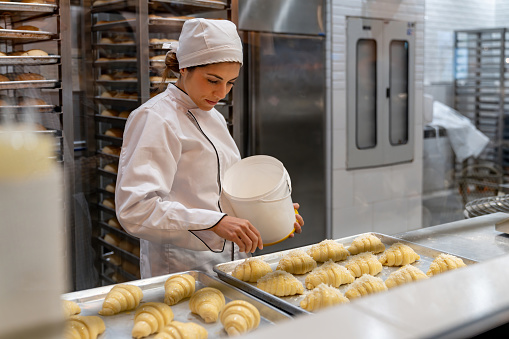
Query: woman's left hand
(299, 223)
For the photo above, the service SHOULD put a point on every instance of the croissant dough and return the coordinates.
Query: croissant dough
(180, 330)
(399, 255)
(364, 263)
(366, 243)
(120, 298)
(178, 287)
(367, 284)
(280, 283)
(329, 273)
(84, 327)
(70, 308)
(150, 318)
(321, 297)
(239, 316)
(328, 249)
(251, 269)
(296, 262)
(405, 274)
(444, 262)
(207, 303)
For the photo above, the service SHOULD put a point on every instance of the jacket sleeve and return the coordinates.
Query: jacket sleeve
(147, 166)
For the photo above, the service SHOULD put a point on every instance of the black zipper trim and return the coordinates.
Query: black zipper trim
(218, 181)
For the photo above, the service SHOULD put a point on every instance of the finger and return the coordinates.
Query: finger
(292, 235)
(255, 237)
(297, 227)
(248, 243)
(300, 220)
(296, 205)
(240, 243)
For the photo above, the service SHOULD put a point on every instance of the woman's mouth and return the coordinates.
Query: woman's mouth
(213, 103)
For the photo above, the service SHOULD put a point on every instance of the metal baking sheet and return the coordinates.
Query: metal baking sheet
(27, 7)
(119, 326)
(21, 34)
(28, 84)
(29, 60)
(291, 304)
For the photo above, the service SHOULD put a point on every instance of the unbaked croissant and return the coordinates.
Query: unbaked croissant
(239, 316)
(120, 298)
(150, 318)
(179, 330)
(178, 287)
(329, 273)
(399, 255)
(364, 263)
(251, 269)
(367, 284)
(84, 327)
(321, 297)
(405, 274)
(207, 303)
(70, 308)
(366, 243)
(296, 262)
(328, 249)
(444, 262)
(280, 283)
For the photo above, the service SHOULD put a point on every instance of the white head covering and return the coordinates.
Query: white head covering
(205, 41)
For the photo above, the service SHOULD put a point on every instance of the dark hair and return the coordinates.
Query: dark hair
(172, 66)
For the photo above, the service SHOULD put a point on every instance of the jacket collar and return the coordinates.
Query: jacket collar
(181, 97)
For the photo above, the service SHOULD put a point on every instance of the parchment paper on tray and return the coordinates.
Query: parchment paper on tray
(291, 304)
(119, 326)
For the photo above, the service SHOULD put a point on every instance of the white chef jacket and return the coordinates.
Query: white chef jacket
(173, 159)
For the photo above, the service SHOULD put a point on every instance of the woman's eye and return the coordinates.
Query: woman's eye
(213, 81)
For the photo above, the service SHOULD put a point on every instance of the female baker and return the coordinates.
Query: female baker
(175, 152)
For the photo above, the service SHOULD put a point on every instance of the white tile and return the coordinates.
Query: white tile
(390, 217)
(373, 184)
(338, 149)
(353, 220)
(406, 179)
(339, 108)
(342, 189)
(414, 213)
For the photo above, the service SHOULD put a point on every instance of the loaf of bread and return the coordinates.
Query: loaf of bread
(27, 101)
(328, 249)
(29, 77)
(2, 54)
(3, 78)
(114, 132)
(35, 52)
(251, 269)
(366, 243)
(109, 202)
(110, 188)
(113, 168)
(110, 149)
(27, 28)
(109, 113)
(106, 40)
(161, 57)
(124, 114)
(106, 77)
(126, 245)
(296, 262)
(131, 268)
(113, 222)
(112, 239)
(115, 259)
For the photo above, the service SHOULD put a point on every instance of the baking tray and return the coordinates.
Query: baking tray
(29, 60)
(28, 84)
(27, 7)
(22, 34)
(290, 304)
(119, 326)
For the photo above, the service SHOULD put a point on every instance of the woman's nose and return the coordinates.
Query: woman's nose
(222, 91)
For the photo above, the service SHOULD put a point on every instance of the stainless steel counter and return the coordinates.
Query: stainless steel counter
(474, 238)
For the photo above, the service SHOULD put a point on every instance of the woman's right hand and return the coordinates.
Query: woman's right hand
(241, 232)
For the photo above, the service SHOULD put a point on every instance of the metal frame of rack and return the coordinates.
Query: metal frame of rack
(481, 74)
(118, 44)
(56, 116)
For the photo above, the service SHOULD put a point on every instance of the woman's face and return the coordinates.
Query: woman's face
(207, 85)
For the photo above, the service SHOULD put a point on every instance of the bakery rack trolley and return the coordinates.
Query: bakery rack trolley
(38, 87)
(124, 54)
(480, 80)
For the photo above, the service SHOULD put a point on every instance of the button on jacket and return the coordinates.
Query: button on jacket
(173, 159)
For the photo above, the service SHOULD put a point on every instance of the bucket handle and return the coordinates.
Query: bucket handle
(288, 183)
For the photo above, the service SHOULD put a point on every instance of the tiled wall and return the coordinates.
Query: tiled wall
(502, 13)
(383, 199)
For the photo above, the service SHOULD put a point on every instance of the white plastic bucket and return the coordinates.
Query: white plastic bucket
(258, 188)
